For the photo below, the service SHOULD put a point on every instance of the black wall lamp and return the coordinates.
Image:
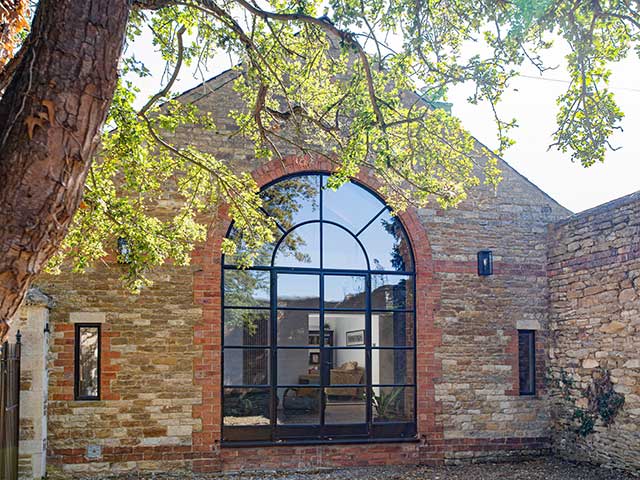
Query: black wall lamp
(485, 263)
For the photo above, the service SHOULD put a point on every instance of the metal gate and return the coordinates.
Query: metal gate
(9, 409)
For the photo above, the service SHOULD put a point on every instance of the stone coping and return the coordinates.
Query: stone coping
(35, 297)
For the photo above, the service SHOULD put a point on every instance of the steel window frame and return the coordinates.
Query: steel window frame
(531, 359)
(76, 362)
(326, 435)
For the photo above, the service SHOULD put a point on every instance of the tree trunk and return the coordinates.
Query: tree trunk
(50, 118)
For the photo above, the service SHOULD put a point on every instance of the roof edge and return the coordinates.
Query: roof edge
(203, 85)
(513, 169)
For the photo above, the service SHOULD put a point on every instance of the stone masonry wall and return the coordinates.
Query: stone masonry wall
(594, 277)
(160, 407)
(147, 388)
(479, 316)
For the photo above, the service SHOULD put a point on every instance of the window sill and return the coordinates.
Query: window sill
(86, 402)
(341, 441)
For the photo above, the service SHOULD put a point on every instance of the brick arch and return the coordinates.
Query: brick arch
(207, 336)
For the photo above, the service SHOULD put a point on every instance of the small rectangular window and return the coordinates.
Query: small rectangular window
(87, 362)
(527, 361)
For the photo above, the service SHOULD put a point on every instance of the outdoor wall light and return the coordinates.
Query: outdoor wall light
(485, 263)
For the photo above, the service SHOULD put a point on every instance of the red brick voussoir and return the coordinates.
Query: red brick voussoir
(207, 367)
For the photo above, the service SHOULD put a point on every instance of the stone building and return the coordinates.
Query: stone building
(358, 339)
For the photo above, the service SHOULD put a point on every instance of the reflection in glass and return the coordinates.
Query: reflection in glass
(386, 244)
(246, 366)
(263, 255)
(246, 327)
(297, 327)
(346, 395)
(362, 205)
(294, 200)
(526, 362)
(299, 366)
(247, 406)
(341, 250)
(391, 292)
(393, 404)
(344, 291)
(314, 337)
(246, 288)
(298, 406)
(391, 366)
(88, 355)
(300, 248)
(392, 329)
(298, 290)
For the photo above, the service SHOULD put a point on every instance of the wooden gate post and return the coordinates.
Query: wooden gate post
(10, 408)
(3, 409)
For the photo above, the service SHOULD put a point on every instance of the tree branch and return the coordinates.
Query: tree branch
(326, 25)
(167, 88)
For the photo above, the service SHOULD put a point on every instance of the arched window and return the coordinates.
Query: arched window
(319, 335)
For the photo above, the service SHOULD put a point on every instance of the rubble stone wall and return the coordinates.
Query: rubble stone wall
(594, 280)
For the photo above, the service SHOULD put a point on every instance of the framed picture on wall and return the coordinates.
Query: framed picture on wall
(355, 337)
(314, 358)
(314, 337)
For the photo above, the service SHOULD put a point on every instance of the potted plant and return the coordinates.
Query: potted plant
(386, 404)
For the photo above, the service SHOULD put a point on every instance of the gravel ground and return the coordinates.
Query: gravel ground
(542, 469)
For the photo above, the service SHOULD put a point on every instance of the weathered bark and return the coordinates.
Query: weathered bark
(50, 118)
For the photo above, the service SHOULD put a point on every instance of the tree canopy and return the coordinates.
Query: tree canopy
(354, 81)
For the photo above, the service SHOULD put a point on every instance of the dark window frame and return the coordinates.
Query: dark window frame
(531, 359)
(372, 430)
(76, 362)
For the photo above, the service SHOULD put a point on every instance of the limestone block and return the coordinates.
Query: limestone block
(627, 295)
(87, 317)
(613, 327)
(528, 325)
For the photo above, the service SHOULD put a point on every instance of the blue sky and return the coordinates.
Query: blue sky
(531, 100)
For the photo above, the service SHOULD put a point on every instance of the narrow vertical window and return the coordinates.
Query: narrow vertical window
(527, 361)
(87, 362)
